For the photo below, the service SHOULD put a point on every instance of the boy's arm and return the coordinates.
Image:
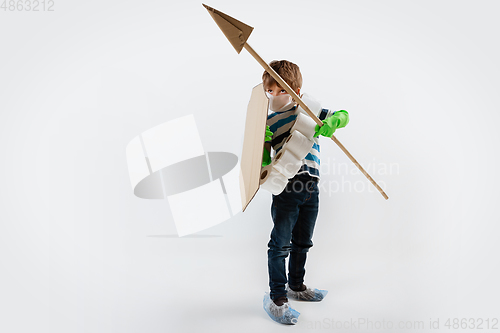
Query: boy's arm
(338, 119)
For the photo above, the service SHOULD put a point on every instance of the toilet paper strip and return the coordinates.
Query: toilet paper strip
(288, 161)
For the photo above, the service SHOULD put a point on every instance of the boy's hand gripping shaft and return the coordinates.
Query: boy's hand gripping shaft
(237, 33)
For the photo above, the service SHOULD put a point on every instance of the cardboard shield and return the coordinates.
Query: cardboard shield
(253, 145)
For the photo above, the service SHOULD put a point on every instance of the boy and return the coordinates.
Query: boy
(295, 209)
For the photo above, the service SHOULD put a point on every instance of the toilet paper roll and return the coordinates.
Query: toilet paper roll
(305, 125)
(311, 102)
(287, 163)
(272, 180)
(298, 144)
(264, 173)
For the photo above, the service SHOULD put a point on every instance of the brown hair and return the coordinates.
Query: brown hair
(288, 71)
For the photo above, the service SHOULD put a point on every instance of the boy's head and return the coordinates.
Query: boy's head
(288, 71)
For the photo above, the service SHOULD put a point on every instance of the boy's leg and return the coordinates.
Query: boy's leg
(302, 235)
(284, 211)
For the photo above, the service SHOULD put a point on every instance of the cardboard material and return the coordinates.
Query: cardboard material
(237, 32)
(253, 144)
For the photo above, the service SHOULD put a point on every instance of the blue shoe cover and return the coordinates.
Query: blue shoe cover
(310, 295)
(282, 314)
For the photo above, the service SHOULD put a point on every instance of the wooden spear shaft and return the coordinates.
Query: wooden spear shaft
(289, 90)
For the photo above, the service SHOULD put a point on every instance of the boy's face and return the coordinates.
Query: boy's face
(279, 99)
(276, 90)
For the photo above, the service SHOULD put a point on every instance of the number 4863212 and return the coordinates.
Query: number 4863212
(27, 5)
(472, 323)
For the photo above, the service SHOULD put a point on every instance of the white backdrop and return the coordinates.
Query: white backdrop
(80, 253)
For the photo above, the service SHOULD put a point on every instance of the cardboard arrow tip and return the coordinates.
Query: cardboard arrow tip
(235, 31)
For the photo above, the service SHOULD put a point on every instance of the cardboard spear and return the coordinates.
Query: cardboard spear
(237, 33)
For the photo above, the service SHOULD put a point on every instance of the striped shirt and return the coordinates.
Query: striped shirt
(280, 124)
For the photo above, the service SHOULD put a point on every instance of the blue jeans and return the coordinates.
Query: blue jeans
(294, 213)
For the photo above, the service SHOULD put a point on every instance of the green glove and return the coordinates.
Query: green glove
(266, 158)
(269, 134)
(338, 120)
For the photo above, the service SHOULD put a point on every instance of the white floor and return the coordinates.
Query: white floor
(140, 281)
(122, 275)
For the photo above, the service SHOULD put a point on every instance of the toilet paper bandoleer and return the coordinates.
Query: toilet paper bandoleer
(292, 176)
(294, 137)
